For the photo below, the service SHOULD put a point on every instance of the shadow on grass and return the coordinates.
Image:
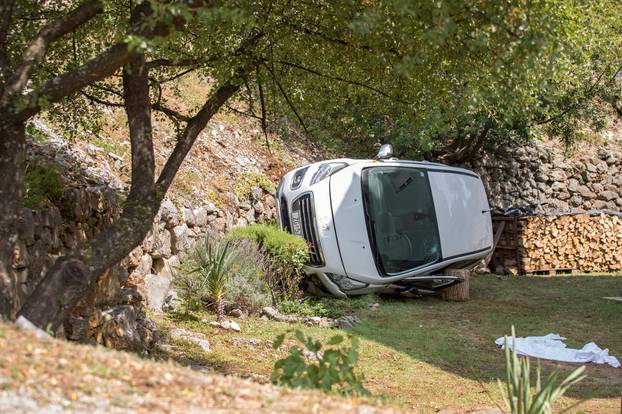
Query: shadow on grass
(459, 337)
(181, 317)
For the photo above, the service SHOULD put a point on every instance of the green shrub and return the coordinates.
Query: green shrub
(247, 288)
(517, 394)
(285, 255)
(204, 278)
(330, 370)
(43, 184)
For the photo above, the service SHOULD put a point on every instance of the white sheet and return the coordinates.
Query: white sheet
(552, 347)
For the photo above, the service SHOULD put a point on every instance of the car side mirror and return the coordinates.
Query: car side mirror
(385, 152)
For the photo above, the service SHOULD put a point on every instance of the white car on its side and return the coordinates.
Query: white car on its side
(385, 225)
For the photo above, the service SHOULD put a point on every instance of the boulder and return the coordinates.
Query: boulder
(172, 302)
(586, 192)
(76, 329)
(347, 322)
(107, 288)
(147, 332)
(145, 264)
(197, 338)
(227, 325)
(211, 208)
(557, 175)
(237, 313)
(129, 296)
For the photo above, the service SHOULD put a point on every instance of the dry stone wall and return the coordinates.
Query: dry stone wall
(113, 312)
(542, 175)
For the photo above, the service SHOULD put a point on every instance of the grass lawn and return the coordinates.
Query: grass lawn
(432, 355)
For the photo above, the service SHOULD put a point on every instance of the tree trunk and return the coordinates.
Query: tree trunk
(68, 280)
(12, 171)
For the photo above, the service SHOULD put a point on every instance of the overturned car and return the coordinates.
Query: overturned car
(385, 225)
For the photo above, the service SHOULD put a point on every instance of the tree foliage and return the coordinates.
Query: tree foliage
(446, 77)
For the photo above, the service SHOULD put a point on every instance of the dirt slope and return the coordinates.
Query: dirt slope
(48, 375)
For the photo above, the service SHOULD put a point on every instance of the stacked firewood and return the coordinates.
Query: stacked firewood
(568, 243)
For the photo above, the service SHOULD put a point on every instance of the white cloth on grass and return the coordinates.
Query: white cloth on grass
(552, 347)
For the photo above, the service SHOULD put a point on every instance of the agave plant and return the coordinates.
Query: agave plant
(517, 393)
(213, 262)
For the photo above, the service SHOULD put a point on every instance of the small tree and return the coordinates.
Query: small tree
(328, 368)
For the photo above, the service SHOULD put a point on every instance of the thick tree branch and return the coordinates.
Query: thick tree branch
(104, 64)
(100, 101)
(70, 82)
(38, 46)
(157, 106)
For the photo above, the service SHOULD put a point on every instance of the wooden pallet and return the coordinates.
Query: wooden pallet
(550, 272)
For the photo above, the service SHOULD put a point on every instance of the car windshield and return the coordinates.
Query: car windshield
(401, 220)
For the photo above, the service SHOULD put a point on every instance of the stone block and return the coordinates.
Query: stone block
(608, 195)
(200, 216)
(179, 239)
(169, 214)
(155, 291)
(161, 244)
(188, 216)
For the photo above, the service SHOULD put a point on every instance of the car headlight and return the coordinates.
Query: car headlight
(326, 170)
(298, 177)
(345, 283)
